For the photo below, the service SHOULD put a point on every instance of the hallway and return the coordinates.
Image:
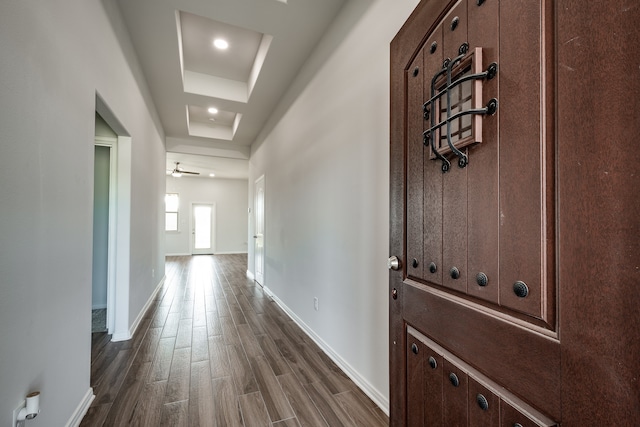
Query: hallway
(214, 350)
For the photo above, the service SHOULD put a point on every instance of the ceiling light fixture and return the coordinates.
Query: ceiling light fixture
(213, 110)
(212, 175)
(221, 44)
(176, 174)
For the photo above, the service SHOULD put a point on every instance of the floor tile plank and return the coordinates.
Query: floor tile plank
(179, 376)
(254, 411)
(273, 355)
(306, 411)
(226, 406)
(162, 360)
(359, 415)
(276, 401)
(201, 412)
(148, 410)
(218, 357)
(200, 347)
(241, 370)
(175, 414)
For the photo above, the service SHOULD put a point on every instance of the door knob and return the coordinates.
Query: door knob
(393, 263)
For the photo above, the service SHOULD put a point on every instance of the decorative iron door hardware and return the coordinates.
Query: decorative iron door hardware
(448, 93)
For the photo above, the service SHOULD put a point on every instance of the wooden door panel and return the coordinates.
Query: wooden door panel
(455, 33)
(415, 384)
(484, 406)
(510, 417)
(433, 388)
(454, 194)
(523, 172)
(455, 396)
(432, 238)
(483, 172)
(526, 363)
(415, 165)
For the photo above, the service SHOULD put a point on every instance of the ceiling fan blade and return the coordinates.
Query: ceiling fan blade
(192, 173)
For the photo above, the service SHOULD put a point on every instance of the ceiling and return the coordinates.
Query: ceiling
(269, 40)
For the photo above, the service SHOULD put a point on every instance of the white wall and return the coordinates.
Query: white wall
(55, 57)
(230, 198)
(325, 156)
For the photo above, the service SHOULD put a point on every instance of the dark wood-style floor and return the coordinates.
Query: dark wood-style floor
(214, 350)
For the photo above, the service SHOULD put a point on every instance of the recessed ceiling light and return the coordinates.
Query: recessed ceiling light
(213, 110)
(212, 175)
(211, 119)
(221, 44)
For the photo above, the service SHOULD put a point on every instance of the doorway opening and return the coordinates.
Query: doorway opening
(109, 132)
(202, 228)
(104, 214)
(101, 211)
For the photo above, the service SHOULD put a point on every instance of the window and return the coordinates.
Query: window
(171, 212)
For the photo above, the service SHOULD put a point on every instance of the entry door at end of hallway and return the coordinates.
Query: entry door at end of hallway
(202, 229)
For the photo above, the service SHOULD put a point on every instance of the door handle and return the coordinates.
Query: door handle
(255, 237)
(393, 263)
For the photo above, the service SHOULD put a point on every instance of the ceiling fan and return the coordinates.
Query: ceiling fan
(177, 172)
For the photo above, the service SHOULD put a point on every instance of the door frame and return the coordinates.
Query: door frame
(192, 224)
(112, 144)
(120, 229)
(259, 278)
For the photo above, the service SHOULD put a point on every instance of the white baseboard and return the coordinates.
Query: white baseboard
(377, 397)
(185, 254)
(136, 323)
(250, 275)
(81, 410)
(120, 337)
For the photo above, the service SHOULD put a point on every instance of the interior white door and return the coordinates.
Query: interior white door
(202, 230)
(258, 237)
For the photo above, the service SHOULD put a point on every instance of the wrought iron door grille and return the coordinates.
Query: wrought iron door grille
(456, 97)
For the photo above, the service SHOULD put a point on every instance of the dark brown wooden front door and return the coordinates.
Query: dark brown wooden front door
(515, 214)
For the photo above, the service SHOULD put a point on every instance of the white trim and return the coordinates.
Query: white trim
(98, 306)
(250, 275)
(81, 410)
(180, 254)
(143, 312)
(259, 272)
(123, 239)
(377, 397)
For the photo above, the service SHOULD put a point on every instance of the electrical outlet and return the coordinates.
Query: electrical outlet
(315, 303)
(16, 411)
